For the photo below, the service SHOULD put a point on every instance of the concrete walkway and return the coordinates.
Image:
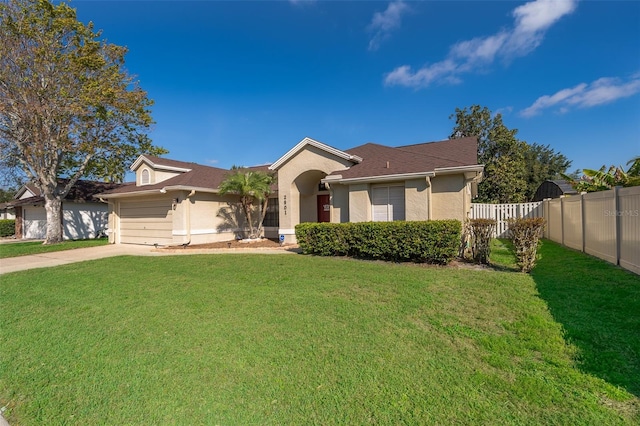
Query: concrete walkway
(45, 260)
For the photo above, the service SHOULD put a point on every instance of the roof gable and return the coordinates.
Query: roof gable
(311, 142)
(159, 163)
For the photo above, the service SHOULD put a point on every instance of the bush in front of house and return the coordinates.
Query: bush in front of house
(525, 234)
(481, 233)
(429, 241)
(7, 227)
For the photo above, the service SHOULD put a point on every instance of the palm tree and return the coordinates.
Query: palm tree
(254, 188)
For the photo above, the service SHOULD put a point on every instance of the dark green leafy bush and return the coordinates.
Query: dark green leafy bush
(431, 241)
(525, 234)
(481, 234)
(7, 227)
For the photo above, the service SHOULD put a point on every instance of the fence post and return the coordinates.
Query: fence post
(616, 217)
(562, 219)
(582, 219)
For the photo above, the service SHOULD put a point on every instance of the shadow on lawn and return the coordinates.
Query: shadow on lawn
(598, 305)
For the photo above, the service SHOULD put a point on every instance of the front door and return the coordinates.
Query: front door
(324, 208)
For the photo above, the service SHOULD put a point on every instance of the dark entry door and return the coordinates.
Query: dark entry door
(324, 208)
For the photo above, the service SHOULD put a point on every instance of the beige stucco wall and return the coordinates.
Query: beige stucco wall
(298, 180)
(449, 194)
(207, 217)
(339, 203)
(416, 199)
(359, 202)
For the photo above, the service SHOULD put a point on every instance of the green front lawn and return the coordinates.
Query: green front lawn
(259, 339)
(36, 247)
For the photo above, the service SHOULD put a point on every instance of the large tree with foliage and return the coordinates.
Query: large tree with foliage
(499, 150)
(68, 108)
(513, 169)
(542, 163)
(253, 187)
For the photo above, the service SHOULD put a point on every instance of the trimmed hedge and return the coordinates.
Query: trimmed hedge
(7, 227)
(433, 241)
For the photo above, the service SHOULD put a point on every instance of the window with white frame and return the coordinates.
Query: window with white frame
(388, 203)
(144, 178)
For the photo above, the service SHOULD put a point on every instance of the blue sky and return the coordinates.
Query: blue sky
(242, 82)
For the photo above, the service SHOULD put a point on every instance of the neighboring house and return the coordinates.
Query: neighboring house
(553, 189)
(6, 211)
(83, 216)
(174, 202)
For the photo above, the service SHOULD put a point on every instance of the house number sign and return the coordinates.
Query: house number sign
(284, 201)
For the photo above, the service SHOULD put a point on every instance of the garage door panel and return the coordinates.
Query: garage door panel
(148, 222)
(34, 223)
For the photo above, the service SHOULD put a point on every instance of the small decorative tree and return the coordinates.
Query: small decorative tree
(481, 232)
(525, 235)
(254, 188)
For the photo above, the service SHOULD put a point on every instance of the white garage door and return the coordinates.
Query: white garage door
(148, 222)
(34, 223)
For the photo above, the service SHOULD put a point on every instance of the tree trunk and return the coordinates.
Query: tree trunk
(53, 207)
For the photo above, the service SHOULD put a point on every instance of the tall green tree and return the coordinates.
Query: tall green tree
(542, 163)
(513, 169)
(505, 179)
(254, 188)
(68, 108)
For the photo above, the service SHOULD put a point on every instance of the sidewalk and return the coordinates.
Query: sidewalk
(45, 260)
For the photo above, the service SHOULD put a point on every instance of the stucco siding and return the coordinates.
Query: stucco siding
(359, 203)
(339, 203)
(448, 197)
(416, 199)
(298, 180)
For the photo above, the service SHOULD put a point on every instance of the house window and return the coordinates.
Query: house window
(144, 179)
(272, 216)
(388, 203)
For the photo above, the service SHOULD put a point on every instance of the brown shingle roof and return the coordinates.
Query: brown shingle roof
(379, 160)
(82, 192)
(159, 161)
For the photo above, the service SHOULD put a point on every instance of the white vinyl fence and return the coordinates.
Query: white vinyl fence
(605, 224)
(501, 213)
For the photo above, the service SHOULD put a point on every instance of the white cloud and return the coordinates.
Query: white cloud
(531, 20)
(383, 23)
(601, 91)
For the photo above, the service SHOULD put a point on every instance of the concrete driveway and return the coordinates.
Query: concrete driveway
(45, 260)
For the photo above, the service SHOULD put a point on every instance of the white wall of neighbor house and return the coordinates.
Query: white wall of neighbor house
(7, 214)
(80, 221)
(84, 220)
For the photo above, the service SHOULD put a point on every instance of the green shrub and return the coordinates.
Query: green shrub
(323, 239)
(431, 241)
(7, 227)
(525, 234)
(481, 233)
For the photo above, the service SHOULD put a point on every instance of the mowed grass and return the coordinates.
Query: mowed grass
(258, 339)
(36, 247)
